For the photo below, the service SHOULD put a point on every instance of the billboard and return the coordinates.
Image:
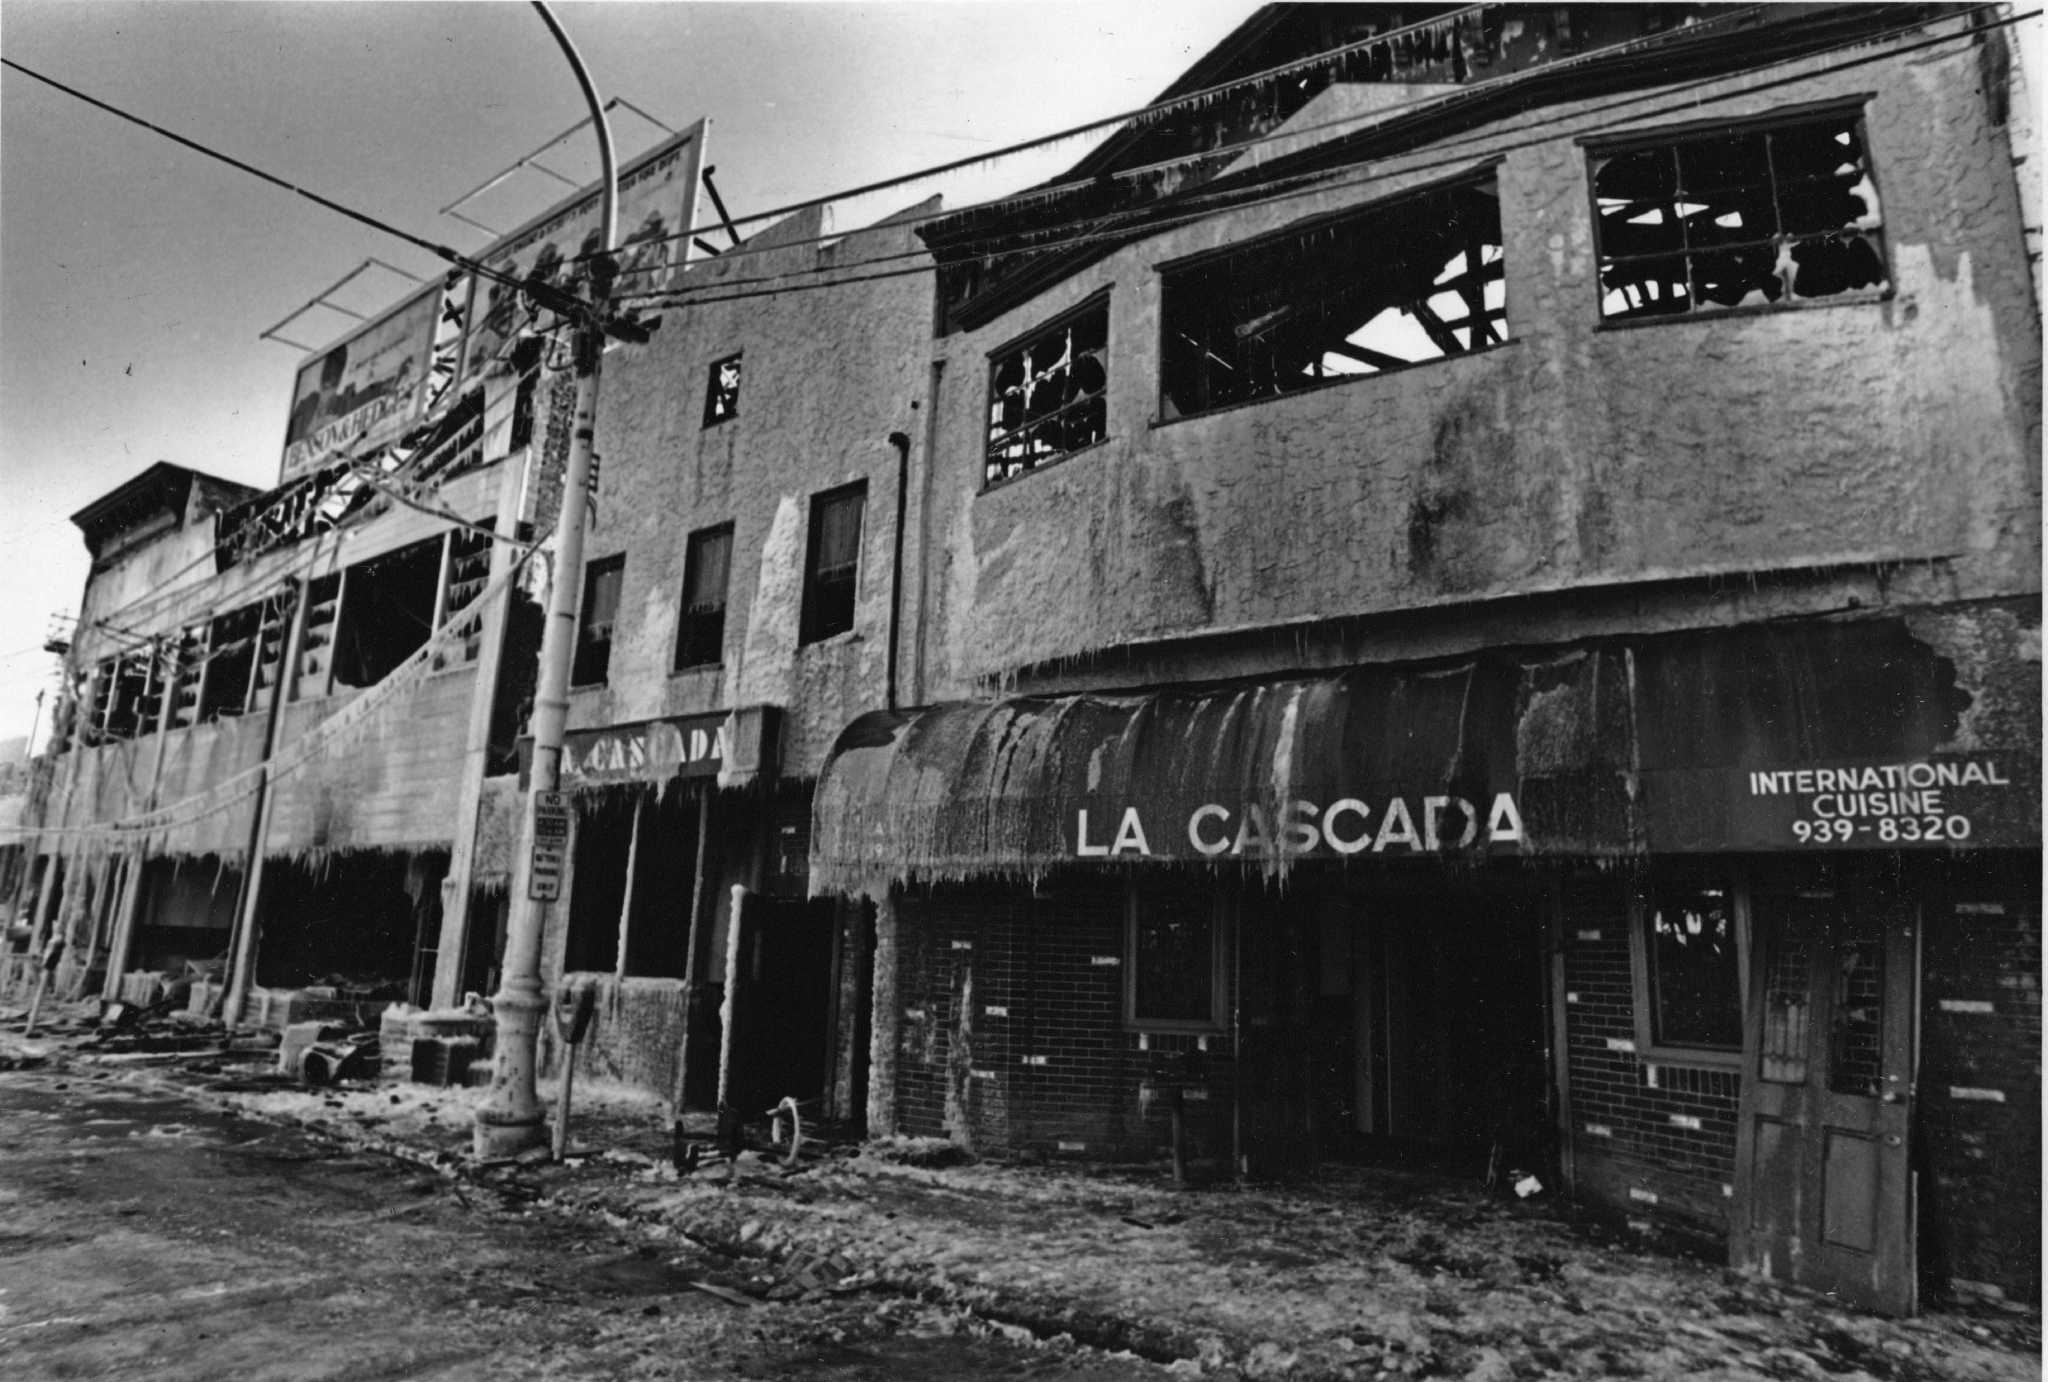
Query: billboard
(657, 205)
(365, 391)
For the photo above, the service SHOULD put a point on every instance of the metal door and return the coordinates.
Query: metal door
(1823, 1195)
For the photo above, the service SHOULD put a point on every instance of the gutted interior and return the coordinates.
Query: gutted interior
(1048, 393)
(1752, 216)
(1420, 278)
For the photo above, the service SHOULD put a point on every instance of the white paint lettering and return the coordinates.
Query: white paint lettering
(1396, 828)
(1432, 820)
(1349, 806)
(1203, 813)
(1081, 845)
(1251, 831)
(1298, 832)
(1504, 822)
(1131, 834)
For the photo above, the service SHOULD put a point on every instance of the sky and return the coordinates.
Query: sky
(137, 277)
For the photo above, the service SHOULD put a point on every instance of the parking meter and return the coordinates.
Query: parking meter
(574, 1005)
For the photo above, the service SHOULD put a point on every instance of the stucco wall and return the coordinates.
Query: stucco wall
(1573, 456)
(827, 375)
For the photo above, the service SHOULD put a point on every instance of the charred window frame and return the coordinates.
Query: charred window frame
(707, 571)
(187, 675)
(832, 562)
(1174, 973)
(1689, 940)
(466, 571)
(1048, 393)
(230, 663)
(316, 648)
(601, 581)
(1404, 282)
(1774, 213)
(387, 612)
(722, 391)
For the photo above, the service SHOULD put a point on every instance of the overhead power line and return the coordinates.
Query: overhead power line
(440, 251)
(1200, 205)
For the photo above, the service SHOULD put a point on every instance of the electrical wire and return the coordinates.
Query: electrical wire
(440, 251)
(1199, 206)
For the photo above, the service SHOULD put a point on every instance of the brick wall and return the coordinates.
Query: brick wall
(1636, 1148)
(1979, 1127)
(1012, 1035)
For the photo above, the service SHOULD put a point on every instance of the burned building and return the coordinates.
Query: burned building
(1477, 596)
(739, 605)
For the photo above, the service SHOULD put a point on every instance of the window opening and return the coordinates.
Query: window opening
(469, 571)
(601, 581)
(276, 624)
(664, 882)
(722, 391)
(707, 569)
(1692, 966)
(1173, 949)
(316, 651)
(1417, 279)
(1738, 218)
(832, 565)
(1048, 395)
(188, 676)
(387, 612)
(604, 836)
(231, 664)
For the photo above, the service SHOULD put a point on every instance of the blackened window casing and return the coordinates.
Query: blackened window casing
(1754, 215)
(1048, 393)
(1419, 278)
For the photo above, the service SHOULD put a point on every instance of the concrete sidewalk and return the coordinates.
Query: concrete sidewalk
(1360, 1273)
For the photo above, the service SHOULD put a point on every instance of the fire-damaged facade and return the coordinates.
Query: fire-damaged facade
(264, 745)
(739, 600)
(1488, 607)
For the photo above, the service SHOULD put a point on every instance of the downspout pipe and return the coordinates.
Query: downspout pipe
(901, 441)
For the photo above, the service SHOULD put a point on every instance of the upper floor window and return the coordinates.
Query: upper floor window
(722, 391)
(1754, 216)
(593, 661)
(1048, 394)
(1417, 278)
(832, 563)
(707, 567)
(386, 611)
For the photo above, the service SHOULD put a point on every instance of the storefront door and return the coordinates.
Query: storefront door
(1823, 1194)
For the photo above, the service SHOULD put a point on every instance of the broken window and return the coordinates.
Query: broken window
(1419, 278)
(231, 661)
(187, 672)
(1688, 972)
(1744, 217)
(832, 565)
(722, 391)
(601, 581)
(316, 645)
(469, 571)
(270, 636)
(700, 634)
(387, 612)
(1048, 394)
(1173, 950)
(119, 693)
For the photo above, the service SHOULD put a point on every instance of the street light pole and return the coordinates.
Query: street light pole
(510, 1118)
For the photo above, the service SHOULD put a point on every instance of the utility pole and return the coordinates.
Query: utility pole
(509, 1119)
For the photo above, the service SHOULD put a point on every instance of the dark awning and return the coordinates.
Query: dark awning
(1798, 737)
